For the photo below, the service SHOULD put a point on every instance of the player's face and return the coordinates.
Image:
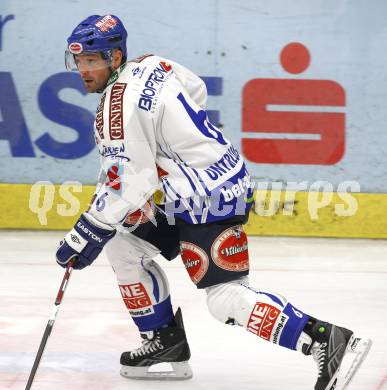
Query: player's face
(94, 70)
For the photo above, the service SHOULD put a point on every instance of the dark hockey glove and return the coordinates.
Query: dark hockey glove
(84, 242)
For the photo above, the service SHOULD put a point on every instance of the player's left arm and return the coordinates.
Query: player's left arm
(84, 241)
(131, 179)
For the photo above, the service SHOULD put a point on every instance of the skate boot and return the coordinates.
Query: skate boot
(168, 346)
(329, 347)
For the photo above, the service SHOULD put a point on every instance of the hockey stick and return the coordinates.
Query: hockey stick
(51, 322)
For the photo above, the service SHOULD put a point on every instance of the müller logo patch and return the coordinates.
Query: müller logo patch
(75, 48)
(116, 122)
(230, 250)
(195, 260)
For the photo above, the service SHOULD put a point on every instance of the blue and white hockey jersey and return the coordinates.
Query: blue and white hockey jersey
(152, 133)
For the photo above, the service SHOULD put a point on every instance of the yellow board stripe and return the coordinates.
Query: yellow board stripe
(42, 206)
(317, 214)
(57, 207)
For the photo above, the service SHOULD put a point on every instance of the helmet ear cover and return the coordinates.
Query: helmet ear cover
(108, 55)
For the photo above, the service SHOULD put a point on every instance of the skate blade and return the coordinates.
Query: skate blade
(163, 371)
(356, 352)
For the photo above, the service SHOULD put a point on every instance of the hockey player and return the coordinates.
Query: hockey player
(152, 133)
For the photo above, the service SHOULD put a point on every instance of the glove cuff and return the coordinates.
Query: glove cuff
(96, 223)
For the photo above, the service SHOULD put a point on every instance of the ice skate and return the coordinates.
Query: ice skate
(331, 347)
(160, 348)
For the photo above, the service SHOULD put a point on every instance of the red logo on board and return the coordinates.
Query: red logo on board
(279, 133)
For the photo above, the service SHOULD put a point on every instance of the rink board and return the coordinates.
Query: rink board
(314, 214)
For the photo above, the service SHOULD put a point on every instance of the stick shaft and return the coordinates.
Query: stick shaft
(50, 323)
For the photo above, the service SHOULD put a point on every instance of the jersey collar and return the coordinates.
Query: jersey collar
(114, 76)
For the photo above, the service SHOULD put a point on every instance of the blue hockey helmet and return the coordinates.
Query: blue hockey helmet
(97, 34)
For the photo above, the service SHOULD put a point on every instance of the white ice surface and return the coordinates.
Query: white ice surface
(342, 281)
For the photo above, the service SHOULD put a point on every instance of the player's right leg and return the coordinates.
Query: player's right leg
(145, 291)
(216, 258)
(271, 317)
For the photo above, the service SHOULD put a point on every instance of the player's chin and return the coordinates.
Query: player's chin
(90, 86)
